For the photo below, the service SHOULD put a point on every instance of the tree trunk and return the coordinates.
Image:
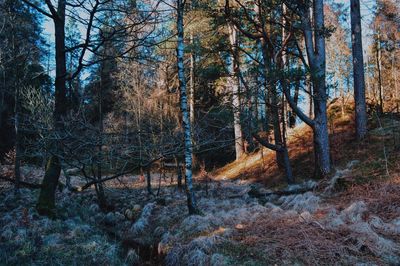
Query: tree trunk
(100, 189)
(379, 64)
(191, 199)
(47, 193)
(292, 117)
(46, 203)
(310, 100)
(285, 155)
(17, 162)
(148, 177)
(316, 53)
(178, 173)
(358, 69)
(233, 83)
(191, 90)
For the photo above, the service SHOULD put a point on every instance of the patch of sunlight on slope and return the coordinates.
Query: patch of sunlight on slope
(236, 168)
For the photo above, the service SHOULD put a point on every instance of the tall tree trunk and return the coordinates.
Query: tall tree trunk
(191, 89)
(46, 202)
(233, 83)
(310, 100)
(379, 64)
(148, 178)
(268, 56)
(358, 69)
(316, 53)
(321, 134)
(100, 189)
(191, 199)
(17, 109)
(293, 117)
(17, 163)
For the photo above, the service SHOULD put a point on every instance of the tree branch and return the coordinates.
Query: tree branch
(40, 10)
(22, 183)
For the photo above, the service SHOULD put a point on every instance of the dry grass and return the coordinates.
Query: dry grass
(261, 165)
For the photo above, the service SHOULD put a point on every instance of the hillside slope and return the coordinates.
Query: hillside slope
(350, 219)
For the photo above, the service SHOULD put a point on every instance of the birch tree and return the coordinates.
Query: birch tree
(233, 84)
(191, 199)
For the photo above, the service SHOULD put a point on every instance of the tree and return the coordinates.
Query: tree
(20, 51)
(358, 70)
(314, 33)
(57, 14)
(233, 84)
(191, 199)
(383, 57)
(257, 26)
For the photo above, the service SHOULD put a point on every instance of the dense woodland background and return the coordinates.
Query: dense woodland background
(181, 96)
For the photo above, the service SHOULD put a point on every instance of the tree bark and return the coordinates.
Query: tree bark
(17, 159)
(46, 203)
(99, 187)
(314, 38)
(282, 150)
(379, 65)
(191, 89)
(47, 194)
(233, 83)
(293, 116)
(191, 199)
(358, 70)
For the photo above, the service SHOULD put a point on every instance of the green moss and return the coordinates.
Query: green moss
(46, 203)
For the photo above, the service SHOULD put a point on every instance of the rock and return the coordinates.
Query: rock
(219, 260)
(132, 258)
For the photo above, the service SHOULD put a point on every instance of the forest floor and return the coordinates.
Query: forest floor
(248, 216)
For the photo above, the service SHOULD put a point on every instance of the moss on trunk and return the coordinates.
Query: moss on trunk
(46, 202)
